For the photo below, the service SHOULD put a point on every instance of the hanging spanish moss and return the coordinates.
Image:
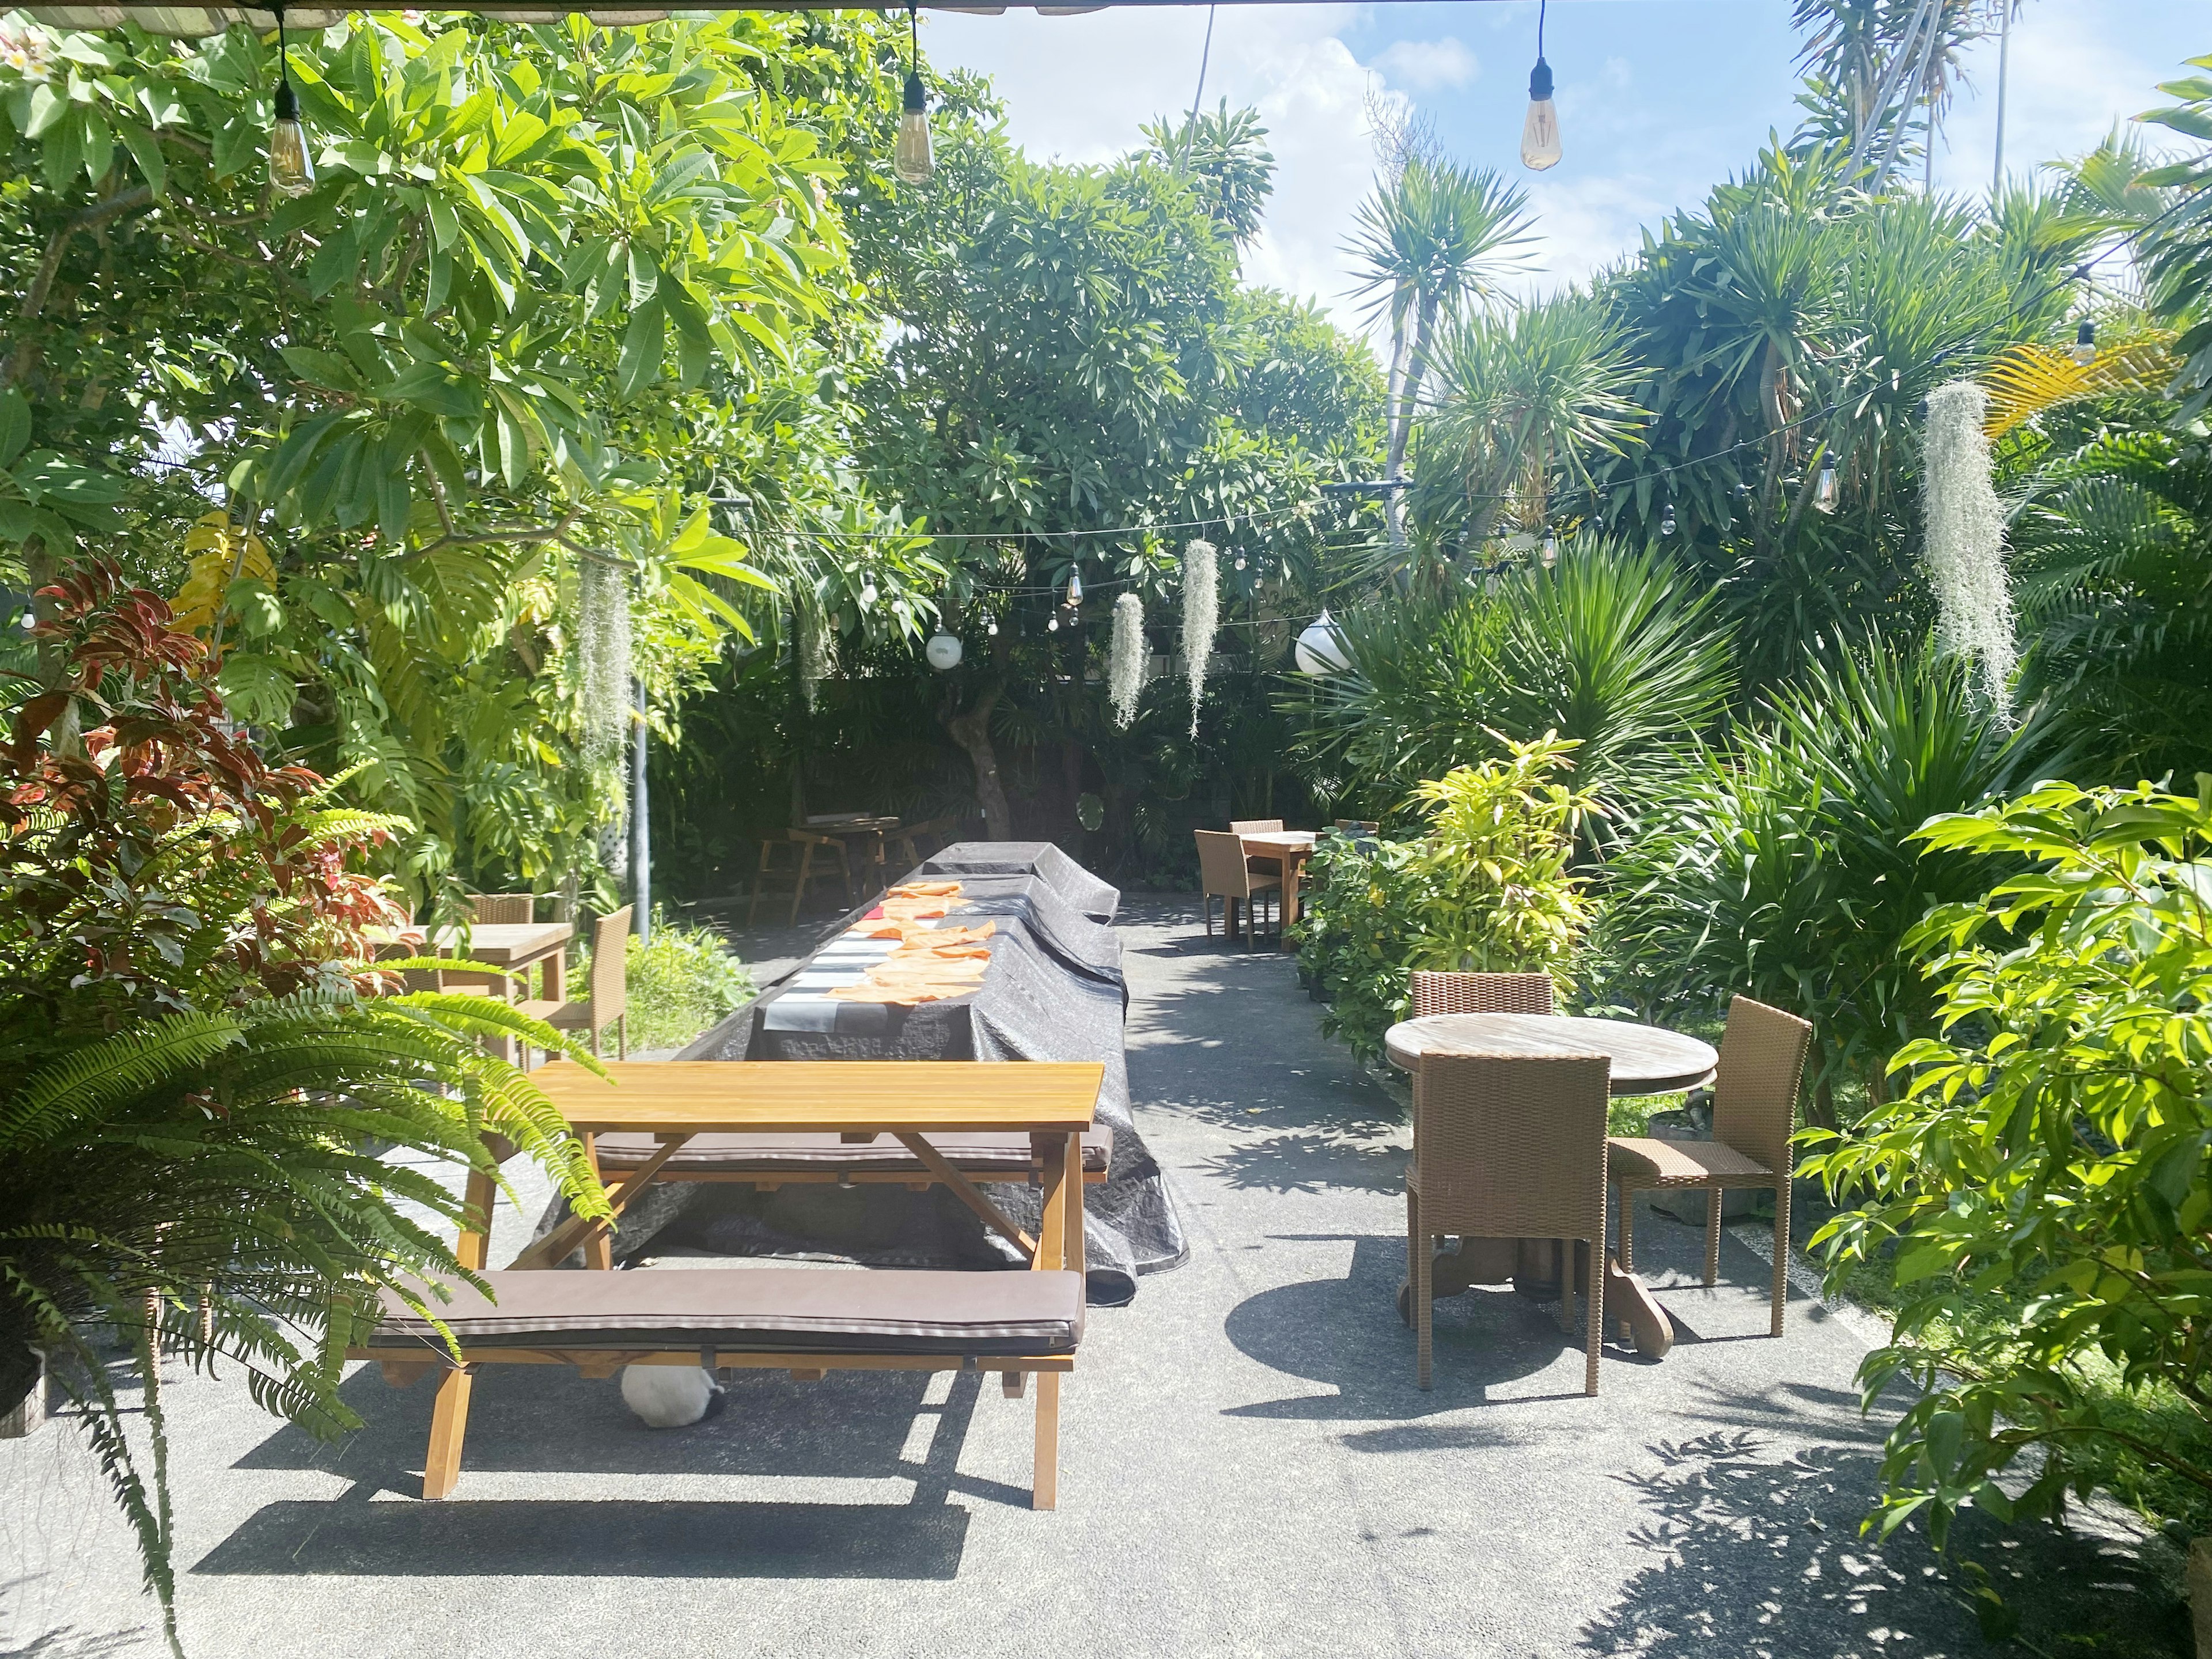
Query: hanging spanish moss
(603, 652)
(1125, 659)
(813, 654)
(1965, 538)
(1201, 611)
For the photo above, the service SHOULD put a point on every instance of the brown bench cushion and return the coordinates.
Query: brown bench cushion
(753, 1310)
(804, 1154)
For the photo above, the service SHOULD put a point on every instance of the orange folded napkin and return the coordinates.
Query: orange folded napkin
(925, 889)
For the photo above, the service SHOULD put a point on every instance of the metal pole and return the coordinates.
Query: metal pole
(2004, 58)
(640, 828)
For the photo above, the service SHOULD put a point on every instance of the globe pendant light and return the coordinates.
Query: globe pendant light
(291, 169)
(1667, 520)
(943, 651)
(912, 161)
(1540, 132)
(1320, 649)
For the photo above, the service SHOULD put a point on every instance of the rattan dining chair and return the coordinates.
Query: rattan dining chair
(1225, 873)
(1509, 1146)
(608, 1000)
(1266, 865)
(494, 910)
(1754, 1109)
(1481, 993)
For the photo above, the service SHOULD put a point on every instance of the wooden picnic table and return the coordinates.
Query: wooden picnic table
(1647, 1059)
(1051, 1102)
(871, 830)
(1293, 847)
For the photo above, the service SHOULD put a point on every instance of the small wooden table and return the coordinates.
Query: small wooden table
(1052, 1102)
(518, 946)
(1293, 847)
(1647, 1059)
(871, 830)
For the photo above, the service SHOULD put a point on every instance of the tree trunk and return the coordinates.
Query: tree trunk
(971, 730)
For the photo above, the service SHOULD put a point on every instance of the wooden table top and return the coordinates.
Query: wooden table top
(503, 943)
(1287, 841)
(1647, 1059)
(771, 1097)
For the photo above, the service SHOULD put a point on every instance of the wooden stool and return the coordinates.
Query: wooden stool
(804, 843)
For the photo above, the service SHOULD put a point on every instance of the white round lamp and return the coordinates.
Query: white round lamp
(943, 651)
(1321, 648)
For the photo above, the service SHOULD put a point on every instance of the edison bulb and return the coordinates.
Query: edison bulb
(291, 169)
(1540, 132)
(913, 160)
(1824, 489)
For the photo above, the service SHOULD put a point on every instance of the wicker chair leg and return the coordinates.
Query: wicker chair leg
(1593, 1307)
(1781, 1251)
(1713, 1197)
(1625, 1198)
(1424, 1302)
(1563, 1269)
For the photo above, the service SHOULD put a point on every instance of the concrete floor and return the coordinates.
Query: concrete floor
(1247, 1467)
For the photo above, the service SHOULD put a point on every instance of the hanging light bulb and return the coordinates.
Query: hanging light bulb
(1240, 560)
(1551, 554)
(1824, 491)
(1053, 626)
(1320, 649)
(291, 169)
(1074, 589)
(1540, 132)
(991, 628)
(912, 161)
(868, 589)
(1667, 520)
(2084, 349)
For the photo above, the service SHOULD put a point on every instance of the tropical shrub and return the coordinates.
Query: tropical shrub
(1780, 866)
(1486, 889)
(1611, 649)
(2050, 1148)
(1496, 857)
(198, 1078)
(682, 983)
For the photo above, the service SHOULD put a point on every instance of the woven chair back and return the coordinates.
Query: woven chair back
(1221, 866)
(610, 966)
(1481, 993)
(1255, 826)
(1755, 1087)
(503, 909)
(1512, 1146)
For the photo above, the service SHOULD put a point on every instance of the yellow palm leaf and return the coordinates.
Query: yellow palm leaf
(222, 552)
(2025, 380)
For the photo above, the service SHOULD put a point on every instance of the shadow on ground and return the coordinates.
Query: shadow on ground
(1748, 1553)
(851, 1425)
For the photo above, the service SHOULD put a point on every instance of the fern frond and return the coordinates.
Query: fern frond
(95, 1081)
(2025, 380)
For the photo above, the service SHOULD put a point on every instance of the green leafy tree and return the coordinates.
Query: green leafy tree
(2048, 1149)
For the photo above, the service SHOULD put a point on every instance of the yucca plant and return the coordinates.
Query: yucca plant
(1780, 865)
(200, 1077)
(1611, 649)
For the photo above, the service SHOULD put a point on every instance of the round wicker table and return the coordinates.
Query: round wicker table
(1646, 1059)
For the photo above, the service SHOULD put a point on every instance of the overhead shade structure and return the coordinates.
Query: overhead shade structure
(190, 22)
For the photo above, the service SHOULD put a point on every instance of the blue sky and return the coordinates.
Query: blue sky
(1657, 98)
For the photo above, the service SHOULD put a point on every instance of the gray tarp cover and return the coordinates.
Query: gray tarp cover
(1089, 895)
(1053, 990)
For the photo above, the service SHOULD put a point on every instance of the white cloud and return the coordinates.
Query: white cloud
(1427, 66)
(1079, 88)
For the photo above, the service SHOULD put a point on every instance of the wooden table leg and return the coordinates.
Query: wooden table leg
(574, 1232)
(1291, 865)
(599, 1248)
(474, 1247)
(556, 975)
(1063, 1219)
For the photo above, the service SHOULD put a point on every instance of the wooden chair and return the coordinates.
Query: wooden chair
(1481, 993)
(1754, 1109)
(608, 1002)
(804, 844)
(1265, 866)
(1358, 826)
(1225, 873)
(1510, 1147)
